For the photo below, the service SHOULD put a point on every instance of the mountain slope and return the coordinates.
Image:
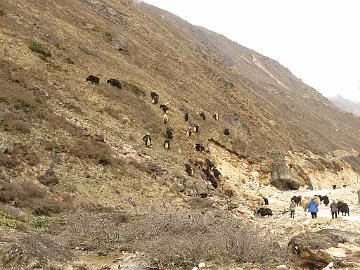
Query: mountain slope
(346, 104)
(67, 144)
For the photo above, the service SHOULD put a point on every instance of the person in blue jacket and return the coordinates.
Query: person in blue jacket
(313, 208)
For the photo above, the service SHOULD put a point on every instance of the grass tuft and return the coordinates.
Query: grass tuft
(41, 49)
(135, 89)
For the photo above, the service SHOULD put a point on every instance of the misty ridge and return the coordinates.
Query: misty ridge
(346, 104)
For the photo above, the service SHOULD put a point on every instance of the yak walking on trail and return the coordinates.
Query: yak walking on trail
(186, 116)
(147, 139)
(199, 147)
(165, 107)
(167, 144)
(189, 169)
(196, 128)
(264, 212)
(154, 97)
(93, 79)
(115, 83)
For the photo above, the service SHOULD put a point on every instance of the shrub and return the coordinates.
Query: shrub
(42, 224)
(68, 60)
(175, 239)
(4, 100)
(54, 66)
(8, 221)
(93, 150)
(41, 49)
(39, 248)
(24, 106)
(3, 125)
(134, 89)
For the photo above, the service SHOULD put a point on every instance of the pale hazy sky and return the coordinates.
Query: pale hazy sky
(318, 40)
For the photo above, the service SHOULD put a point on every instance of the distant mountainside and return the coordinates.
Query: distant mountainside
(346, 104)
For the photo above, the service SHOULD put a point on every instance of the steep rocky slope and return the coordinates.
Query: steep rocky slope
(67, 144)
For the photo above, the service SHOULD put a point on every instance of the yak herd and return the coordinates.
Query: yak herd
(210, 173)
(343, 207)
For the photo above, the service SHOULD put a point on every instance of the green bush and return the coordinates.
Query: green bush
(42, 224)
(8, 221)
(135, 89)
(3, 100)
(39, 48)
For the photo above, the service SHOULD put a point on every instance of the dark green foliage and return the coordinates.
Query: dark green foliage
(134, 89)
(41, 49)
(4, 100)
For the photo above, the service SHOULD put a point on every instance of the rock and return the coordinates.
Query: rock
(309, 249)
(55, 157)
(282, 177)
(201, 265)
(5, 148)
(329, 266)
(201, 192)
(281, 266)
(133, 264)
(49, 178)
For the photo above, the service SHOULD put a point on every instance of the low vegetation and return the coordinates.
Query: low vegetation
(4, 100)
(173, 240)
(41, 49)
(24, 106)
(93, 150)
(134, 89)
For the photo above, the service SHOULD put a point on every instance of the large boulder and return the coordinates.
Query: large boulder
(315, 250)
(282, 177)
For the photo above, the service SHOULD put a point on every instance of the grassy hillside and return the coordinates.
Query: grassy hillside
(67, 144)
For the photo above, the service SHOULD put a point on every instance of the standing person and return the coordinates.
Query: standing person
(292, 209)
(313, 209)
(334, 209)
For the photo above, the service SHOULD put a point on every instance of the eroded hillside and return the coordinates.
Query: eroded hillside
(67, 144)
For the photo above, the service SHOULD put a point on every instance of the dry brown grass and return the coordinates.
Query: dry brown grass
(92, 149)
(36, 250)
(26, 194)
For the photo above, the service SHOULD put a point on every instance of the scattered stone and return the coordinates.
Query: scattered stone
(201, 265)
(49, 178)
(99, 138)
(201, 192)
(5, 148)
(133, 264)
(103, 253)
(55, 157)
(329, 266)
